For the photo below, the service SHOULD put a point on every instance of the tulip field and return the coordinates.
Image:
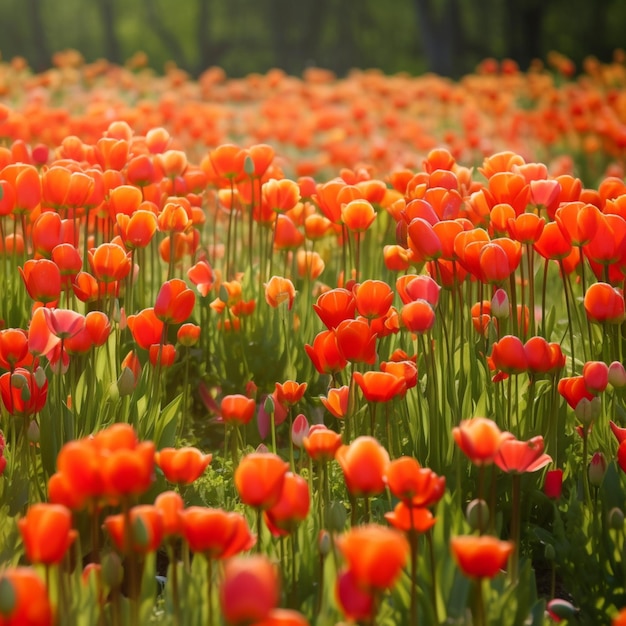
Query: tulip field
(287, 351)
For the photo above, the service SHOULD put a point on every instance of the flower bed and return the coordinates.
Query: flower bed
(292, 351)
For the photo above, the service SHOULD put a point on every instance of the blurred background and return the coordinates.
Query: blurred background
(448, 37)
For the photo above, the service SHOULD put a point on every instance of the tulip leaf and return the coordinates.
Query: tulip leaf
(167, 424)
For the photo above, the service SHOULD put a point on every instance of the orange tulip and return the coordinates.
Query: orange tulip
(13, 348)
(259, 479)
(237, 409)
(374, 554)
(182, 465)
(325, 354)
(480, 556)
(42, 279)
(227, 161)
(145, 534)
(364, 463)
(280, 195)
(356, 341)
(216, 533)
(291, 508)
(604, 303)
(321, 443)
(162, 354)
(31, 605)
(23, 393)
(146, 328)
(335, 306)
(290, 392)
(508, 355)
(519, 457)
(171, 505)
(410, 519)
(283, 617)
(174, 302)
(480, 439)
(373, 298)
(201, 275)
(379, 386)
(249, 590)
(137, 230)
(336, 402)
(286, 234)
(279, 290)
(358, 215)
(47, 533)
(175, 217)
(124, 201)
(418, 316)
(109, 262)
(309, 264)
(413, 484)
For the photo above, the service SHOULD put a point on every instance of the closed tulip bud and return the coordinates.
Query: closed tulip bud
(587, 411)
(560, 609)
(477, 514)
(597, 469)
(113, 392)
(112, 570)
(615, 519)
(617, 375)
(299, 430)
(40, 377)
(269, 406)
(126, 382)
(549, 552)
(323, 542)
(33, 432)
(336, 516)
(553, 484)
(500, 307)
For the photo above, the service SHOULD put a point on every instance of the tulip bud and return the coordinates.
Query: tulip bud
(40, 377)
(112, 570)
(617, 375)
(126, 382)
(262, 449)
(615, 519)
(587, 411)
(323, 542)
(113, 392)
(7, 597)
(269, 406)
(33, 433)
(597, 469)
(299, 430)
(19, 381)
(549, 552)
(248, 165)
(560, 609)
(336, 516)
(477, 514)
(500, 307)
(553, 484)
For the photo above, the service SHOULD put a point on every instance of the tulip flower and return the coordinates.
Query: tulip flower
(259, 479)
(174, 302)
(374, 554)
(336, 402)
(279, 290)
(292, 507)
(480, 556)
(514, 456)
(47, 532)
(237, 409)
(321, 443)
(249, 590)
(216, 533)
(479, 439)
(182, 465)
(335, 306)
(28, 604)
(364, 463)
(415, 485)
